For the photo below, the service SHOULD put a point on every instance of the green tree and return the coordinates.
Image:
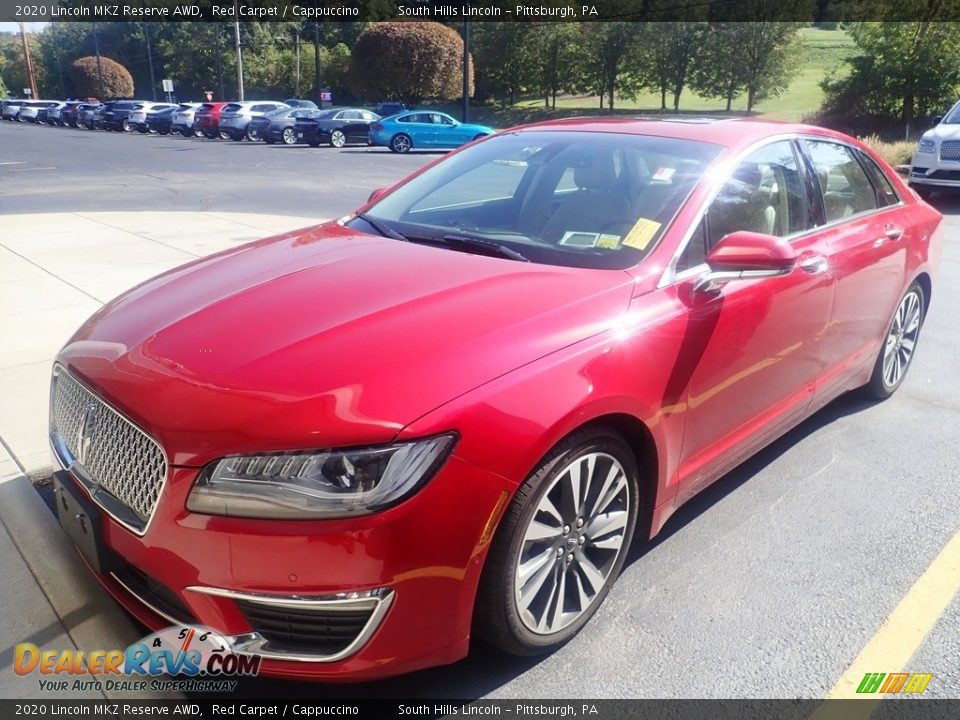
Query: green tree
(13, 69)
(504, 53)
(673, 50)
(609, 48)
(407, 61)
(906, 68)
(558, 60)
(111, 79)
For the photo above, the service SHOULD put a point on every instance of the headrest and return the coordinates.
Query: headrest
(595, 172)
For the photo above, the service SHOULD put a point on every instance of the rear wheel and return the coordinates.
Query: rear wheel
(289, 136)
(899, 345)
(252, 135)
(224, 135)
(401, 143)
(338, 139)
(561, 544)
(196, 132)
(125, 125)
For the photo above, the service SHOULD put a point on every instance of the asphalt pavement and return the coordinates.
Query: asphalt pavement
(770, 583)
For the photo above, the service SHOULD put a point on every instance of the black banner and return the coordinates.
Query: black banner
(476, 10)
(892, 709)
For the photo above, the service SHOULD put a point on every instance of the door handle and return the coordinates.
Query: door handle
(893, 232)
(813, 264)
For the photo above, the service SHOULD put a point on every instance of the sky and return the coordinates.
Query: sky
(15, 27)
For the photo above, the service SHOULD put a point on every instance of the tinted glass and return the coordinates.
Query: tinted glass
(886, 195)
(624, 190)
(764, 195)
(954, 116)
(844, 185)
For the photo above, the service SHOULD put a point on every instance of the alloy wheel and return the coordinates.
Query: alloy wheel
(902, 339)
(289, 136)
(572, 543)
(338, 139)
(400, 144)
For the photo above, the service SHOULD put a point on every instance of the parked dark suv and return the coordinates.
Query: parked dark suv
(117, 116)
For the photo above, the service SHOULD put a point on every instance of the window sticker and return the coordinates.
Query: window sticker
(576, 238)
(641, 234)
(664, 174)
(608, 242)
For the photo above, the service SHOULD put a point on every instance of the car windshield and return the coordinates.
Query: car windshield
(582, 199)
(953, 118)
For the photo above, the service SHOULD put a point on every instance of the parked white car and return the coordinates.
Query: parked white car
(235, 118)
(182, 121)
(936, 163)
(30, 108)
(138, 118)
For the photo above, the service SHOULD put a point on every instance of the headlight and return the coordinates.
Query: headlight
(322, 484)
(926, 145)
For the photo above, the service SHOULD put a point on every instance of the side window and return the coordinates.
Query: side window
(844, 185)
(696, 251)
(353, 115)
(764, 195)
(438, 119)
(886, 195)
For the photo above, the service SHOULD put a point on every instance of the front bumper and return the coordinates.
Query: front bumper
(929, 169)
(412, 569)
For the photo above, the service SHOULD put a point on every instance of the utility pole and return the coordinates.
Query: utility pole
(56, 48)
(153, 82)
(223, 93)
(96, 47)
(236, 42)
(318, 75)
(466, 71)
(29, 63)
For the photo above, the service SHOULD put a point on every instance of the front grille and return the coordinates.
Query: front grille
(319, 631)
(113, 453)
(950, 150)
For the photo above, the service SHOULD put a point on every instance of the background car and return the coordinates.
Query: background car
(182, 120)
(160, 121)
(11, 109)
(138, 118)
(116, 116)
(936, 163)
(278, 126)
(52, 115)
(235, 118)
(207, 119)
(424, 129)
(68, 113)
(31, 109)
(86, 115)
(298, 103)
(335, 127)
(386, 109)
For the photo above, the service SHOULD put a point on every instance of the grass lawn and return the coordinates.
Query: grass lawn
(823, 52)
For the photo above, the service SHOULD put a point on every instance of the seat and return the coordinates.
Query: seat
(744, 203)
(599, 204)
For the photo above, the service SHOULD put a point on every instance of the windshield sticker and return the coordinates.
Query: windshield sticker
(608, 242)
(641, 234)
(577, 238)
(663, 174)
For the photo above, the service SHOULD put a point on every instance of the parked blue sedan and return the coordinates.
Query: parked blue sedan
(424, 129)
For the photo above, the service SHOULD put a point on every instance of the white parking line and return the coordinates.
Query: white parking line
(14, 162)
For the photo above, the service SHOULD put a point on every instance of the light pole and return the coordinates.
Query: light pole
(466, 71)
(236, 42)
(96, 46)
(153, 82)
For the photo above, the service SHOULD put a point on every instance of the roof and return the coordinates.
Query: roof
(727, 131)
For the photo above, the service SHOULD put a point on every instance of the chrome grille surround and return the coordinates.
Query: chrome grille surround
(950, 150)
(120, 465)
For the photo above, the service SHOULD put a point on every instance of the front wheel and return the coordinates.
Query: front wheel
(289, 136)
(224, 135)
(401, 144)
(899, 345)
(126, 126)
(338, 139)
(561, 545)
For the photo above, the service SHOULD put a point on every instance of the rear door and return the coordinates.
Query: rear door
(867, 252)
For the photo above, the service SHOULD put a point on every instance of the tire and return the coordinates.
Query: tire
(289, 136)
(899, 345)
(549, 546)
(210, 135)
(401, 143)
(251, 135)
(196, 132)
(164, 131)
(125, 125)
(224, 135)
(337, 139)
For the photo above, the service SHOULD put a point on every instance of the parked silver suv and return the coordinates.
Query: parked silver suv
(235, 118)
(936, 163)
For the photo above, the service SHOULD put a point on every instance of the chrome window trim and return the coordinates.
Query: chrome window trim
(68, 462)
(670, 276)
(252, 643)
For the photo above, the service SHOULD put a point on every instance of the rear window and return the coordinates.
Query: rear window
(232, 107)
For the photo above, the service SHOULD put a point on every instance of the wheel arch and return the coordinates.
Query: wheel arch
(926, 284)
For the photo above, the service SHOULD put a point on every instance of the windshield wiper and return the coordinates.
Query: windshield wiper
(381, 228)
(496, 248)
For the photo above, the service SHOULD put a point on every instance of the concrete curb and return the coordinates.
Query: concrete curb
(90, 616)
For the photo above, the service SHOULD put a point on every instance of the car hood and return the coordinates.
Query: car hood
(326, 337)
(944, 131)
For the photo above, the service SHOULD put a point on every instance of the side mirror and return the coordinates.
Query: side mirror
(936, 120)
(744, 255)
(376, 195)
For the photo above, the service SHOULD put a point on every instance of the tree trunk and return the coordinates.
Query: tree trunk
(663, 97)
(554, 105)
(676, 98)
(730, 90)
(750, 95)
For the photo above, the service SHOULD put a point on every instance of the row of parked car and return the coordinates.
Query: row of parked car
(292, 121)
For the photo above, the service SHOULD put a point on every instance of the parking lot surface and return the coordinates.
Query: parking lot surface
(770, 583)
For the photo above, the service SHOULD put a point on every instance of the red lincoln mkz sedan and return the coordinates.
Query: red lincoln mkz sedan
(354, 447)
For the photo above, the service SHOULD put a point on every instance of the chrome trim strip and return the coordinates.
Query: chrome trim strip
(121, 583)
(253, 643)
(670, 276)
